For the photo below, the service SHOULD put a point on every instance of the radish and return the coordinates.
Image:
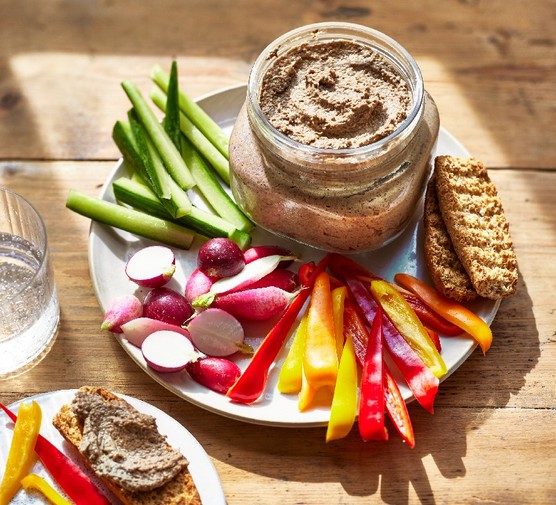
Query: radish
(151, 267)
(280, 278)
(218, 374)
(121, 310)
(261, 251)
(137, 330)
(217, 333)
(168, 351)
(251, 273)
(167, 305)
(220, 257)
(197, 284)
(255, 304)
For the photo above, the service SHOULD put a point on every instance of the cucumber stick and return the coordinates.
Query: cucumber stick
(130, 220)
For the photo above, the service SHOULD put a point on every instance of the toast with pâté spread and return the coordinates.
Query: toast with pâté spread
(178, 489)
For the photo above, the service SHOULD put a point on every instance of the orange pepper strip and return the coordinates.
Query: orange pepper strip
(306, 394)
(320, 360)
(338, 299)
(450, 310)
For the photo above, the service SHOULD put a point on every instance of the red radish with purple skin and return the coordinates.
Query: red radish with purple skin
(168, 351)
(220, 257)
(217, 333)
(197, 284)
(151, 267)
(167, 305)
(262, 251)
(121, 310)
(255, 304)
(137, 330)
(217, 374)
(279, 278)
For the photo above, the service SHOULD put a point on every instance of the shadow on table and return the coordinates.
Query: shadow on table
(465, 402)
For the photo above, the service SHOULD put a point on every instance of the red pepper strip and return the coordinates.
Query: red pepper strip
(430, 318)
(65, 472)
(250, 385)
(453, 311)
(397, 409)
(341, 265)
(371, 403)
(395, 404)
(435, 338)
(421, 381)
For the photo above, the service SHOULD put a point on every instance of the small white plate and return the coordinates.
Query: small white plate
(109, 250)
(202, 470)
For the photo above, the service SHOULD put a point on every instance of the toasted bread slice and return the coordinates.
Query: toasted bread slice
(474, 218)
(181, 490)
(445, 268)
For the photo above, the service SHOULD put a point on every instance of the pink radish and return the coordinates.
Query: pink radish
(254, 304)
(280, 278)
(220, 257)
(137, 330)
(261, 251)
(251, 273)
(167, 305)
(218, 374)
(151, 267)
(216, 333)
(197, 284)
(168, 351)
(121, 310)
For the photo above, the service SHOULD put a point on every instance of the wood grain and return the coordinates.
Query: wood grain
(490, 68)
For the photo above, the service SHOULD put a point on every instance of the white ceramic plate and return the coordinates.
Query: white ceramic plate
(109, 250)
(202, 470)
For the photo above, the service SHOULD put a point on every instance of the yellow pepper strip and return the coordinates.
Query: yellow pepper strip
(344, 401)
(306, 394)
(409, 325)
(338, 297)
(289, 380)
(320, 359)
(33, 481)
(22, 450)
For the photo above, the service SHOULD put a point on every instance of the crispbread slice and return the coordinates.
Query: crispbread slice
(445, 268)
(179, 491)
(474, 218)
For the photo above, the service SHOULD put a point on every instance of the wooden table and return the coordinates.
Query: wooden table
(490, 68)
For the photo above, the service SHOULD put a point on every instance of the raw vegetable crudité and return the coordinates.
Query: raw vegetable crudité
(345, 320)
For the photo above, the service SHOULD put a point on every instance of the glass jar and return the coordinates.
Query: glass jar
(346, 200)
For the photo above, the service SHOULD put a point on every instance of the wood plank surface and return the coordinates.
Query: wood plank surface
(490, 66)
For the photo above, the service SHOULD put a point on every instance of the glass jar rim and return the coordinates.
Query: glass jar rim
(356, 33)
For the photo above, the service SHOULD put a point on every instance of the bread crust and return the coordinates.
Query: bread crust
(179, 491)
(446, 270)
(472, 212)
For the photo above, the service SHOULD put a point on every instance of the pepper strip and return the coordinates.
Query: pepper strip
(289, 380)
(449, 309)
(338, 297)
(65, 472)
(421, 381)
(250, 385)
(22, 455)
(320, 359)
(395, 404)
(409, 325)
(371, 403)
(33, 481)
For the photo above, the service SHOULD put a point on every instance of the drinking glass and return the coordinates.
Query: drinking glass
(29, 310)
